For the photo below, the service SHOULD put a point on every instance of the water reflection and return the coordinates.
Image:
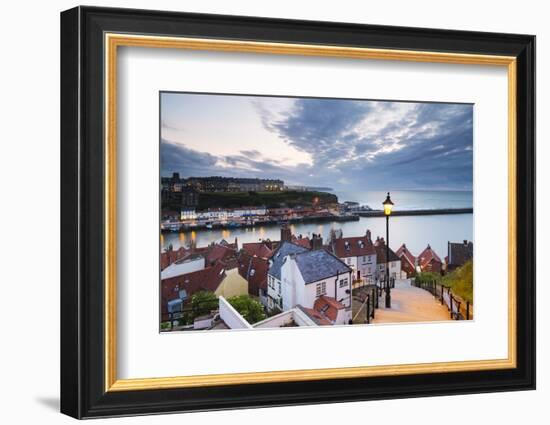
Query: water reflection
(416, 232)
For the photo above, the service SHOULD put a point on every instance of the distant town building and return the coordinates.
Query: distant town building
(232, 184)
(458, 254)
(408, 260)
(429, 261)
(381, 261)
(358, 253)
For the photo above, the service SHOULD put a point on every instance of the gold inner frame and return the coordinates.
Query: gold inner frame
(113, 41)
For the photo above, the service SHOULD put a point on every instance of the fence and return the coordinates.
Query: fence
(458, 308)
(369, 299)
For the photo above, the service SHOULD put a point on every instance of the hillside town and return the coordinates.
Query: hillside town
(298, 280)
(197, 203)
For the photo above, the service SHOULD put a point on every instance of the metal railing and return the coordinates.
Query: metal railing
(458, 308)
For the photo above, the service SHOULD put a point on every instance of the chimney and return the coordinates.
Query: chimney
(465, 242)
(286, 234)
(368, 235)
(316, 242)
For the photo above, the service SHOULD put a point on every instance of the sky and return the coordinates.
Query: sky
(338, 143)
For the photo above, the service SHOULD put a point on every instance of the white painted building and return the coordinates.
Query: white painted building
(274, 282)
(358, 253)
(307, 276)
(394, 261)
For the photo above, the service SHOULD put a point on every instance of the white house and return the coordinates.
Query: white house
(274, 283)
(358, 253)
(317, 280)
(394, 261)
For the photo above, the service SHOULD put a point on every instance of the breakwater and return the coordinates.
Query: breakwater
(438, 211)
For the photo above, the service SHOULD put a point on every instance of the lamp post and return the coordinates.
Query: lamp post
(388, 205)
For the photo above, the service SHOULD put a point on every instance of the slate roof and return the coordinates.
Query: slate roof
(381, 253)
(278, 257)
(319, 264)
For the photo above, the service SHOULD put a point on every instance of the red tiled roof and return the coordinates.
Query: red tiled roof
(254, 270)
(220, 252)
(169, 257)
(328, 307)
(257, 273)
(305, 242)
(207, 279)
(315, 316)
(427, 256)
(403, 252)
(353, 247)
(257, 249)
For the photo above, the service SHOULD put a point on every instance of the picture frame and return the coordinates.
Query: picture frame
(90, 39)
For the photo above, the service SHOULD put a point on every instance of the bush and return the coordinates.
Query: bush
(203, 302)
(249, 308)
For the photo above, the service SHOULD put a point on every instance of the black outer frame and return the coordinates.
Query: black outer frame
(82, 218)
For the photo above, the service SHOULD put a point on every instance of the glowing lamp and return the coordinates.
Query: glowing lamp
(388, 205)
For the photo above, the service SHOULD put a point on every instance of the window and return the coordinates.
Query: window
(343, 283)
(321, 289)
(279, 288)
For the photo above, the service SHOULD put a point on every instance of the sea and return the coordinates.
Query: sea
(415, 231)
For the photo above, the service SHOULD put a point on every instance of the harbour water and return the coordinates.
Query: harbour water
(415, 231)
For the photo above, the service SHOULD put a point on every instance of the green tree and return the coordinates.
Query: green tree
(203, 302)
(248, 307)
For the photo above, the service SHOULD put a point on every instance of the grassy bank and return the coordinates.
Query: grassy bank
(269, 199)
(461, 280)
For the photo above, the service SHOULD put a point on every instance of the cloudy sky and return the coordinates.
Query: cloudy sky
(343, 144)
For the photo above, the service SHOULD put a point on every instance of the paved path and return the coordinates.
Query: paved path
(410, 304)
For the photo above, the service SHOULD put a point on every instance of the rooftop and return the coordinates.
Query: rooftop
(319, 264)
(278, 258)
(427, 256)
(459, 253)
(352, 247)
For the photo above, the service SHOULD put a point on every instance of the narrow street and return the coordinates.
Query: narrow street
(410, 304)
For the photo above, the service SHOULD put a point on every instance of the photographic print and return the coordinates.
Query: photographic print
(280, 212)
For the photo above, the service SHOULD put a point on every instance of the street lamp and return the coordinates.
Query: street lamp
(388, 205)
